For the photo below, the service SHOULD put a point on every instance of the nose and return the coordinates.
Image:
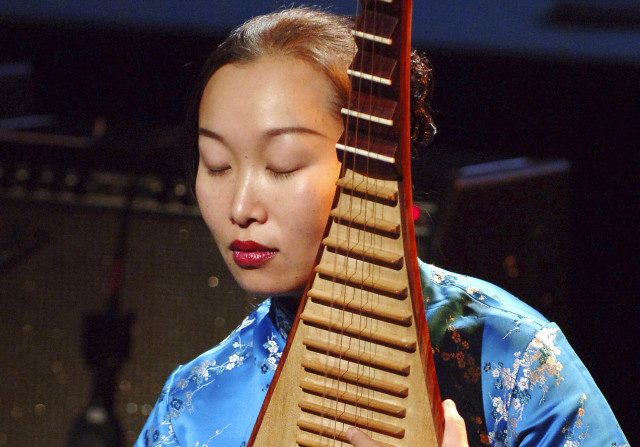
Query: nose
(247, 206)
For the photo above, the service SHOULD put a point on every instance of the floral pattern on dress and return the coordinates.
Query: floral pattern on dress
(537, 367)
(180, 395)
(461, 357)
(465, 361)
(202, 375)
(271, 362)
(281, 317)
(471, 323)
(456, 349)
(159, 438)
(217, 432)
(573, 430)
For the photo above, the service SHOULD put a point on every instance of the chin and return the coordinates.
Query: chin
(258, 285)
(269, 281)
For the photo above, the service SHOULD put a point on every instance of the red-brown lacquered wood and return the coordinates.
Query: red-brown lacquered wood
(362, 139)
(373, 26)
(372, 108)
(411, 254)
(373, 67)
(376, 24)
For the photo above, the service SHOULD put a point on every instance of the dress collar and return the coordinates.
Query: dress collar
(282, 314)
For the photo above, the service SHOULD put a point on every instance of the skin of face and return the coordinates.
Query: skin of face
(268, 166)
(267, 173)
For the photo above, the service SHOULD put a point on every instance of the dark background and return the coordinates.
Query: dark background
(545, 80)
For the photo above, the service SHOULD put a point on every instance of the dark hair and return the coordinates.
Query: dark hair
(423, 128)
(317, 37)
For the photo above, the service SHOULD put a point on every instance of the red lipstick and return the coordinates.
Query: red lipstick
(250, 254)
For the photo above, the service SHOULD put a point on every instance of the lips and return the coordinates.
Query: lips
(250, 254)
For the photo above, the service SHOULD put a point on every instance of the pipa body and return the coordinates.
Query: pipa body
(358, 353)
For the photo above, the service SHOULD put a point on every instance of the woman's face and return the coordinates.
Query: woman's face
(267, 170)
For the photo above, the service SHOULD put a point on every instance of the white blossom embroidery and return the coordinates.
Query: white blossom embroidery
(274, 354)
(535, 366)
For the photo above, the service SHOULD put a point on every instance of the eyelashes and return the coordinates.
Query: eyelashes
(279, 174)
(217, 172)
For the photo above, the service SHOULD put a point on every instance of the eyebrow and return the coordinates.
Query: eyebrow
(270, 133)
(210, 134)
(292, 129)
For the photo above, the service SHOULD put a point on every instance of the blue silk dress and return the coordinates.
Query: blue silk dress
(512, 374)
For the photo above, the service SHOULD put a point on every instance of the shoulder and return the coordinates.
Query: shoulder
(531, 384)
(225, 356)
(201, 397)
(475, 297)
(497, 326)
(206, 373)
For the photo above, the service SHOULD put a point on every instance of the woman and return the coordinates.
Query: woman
(268, 121)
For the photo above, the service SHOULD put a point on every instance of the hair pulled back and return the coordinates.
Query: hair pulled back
(311, 35)
(316, 37)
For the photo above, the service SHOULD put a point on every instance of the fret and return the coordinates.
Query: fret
(369, 77)
(365, 153)
(327, 388)
(359, 218)
(362, 380)
(366, 4)
(362, 306)
(359, 250)
(395, 366)
(373, 67)
(372, 108)
(354, 273)
(372, 37)
(389, 2)
(364, 330)
(331, 412)
(366, 116)
(375, 27)
(364, 186)
(361, 141)
(330, 434)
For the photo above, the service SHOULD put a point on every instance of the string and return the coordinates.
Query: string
(343, 286)
(369, 272)
(346, 275)
(363, 211)
(334, 283)
(366, 267)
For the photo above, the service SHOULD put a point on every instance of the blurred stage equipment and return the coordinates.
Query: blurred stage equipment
(106, 341)
(58, 230)
(508, 222)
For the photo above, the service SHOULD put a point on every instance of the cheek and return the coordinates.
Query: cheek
(312, 202)
(211, 204)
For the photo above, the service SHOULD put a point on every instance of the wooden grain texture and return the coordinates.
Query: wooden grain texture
(359, 353)
(350, 368)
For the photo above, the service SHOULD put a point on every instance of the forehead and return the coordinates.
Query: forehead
(269, 91)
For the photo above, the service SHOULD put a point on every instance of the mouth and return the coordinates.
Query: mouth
(250, 254)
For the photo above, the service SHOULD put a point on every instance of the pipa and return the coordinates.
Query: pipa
(359, 353)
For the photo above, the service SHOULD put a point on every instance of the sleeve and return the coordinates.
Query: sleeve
(554, 400)
(158, 430)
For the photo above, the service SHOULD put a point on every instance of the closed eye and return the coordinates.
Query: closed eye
(218, 171)
(282, 174)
